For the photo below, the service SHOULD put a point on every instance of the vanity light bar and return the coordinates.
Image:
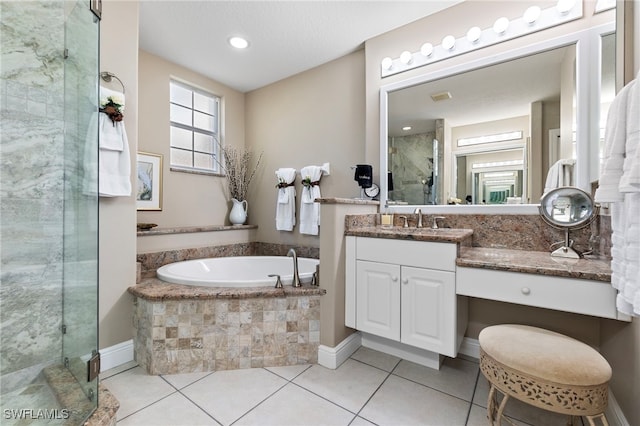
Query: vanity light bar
(498, 164)
(534, 19)
(500, 137)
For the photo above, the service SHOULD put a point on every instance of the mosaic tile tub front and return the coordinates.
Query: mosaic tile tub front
(182, 336)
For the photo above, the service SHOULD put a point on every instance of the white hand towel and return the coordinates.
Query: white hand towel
(114, 178)
(310, 210)
(630, 180)
(560, 174)
(286, 204)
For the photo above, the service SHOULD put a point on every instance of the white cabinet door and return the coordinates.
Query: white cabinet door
(428, 309)
(378, 299)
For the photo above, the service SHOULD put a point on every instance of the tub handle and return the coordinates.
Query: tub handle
(278, 281)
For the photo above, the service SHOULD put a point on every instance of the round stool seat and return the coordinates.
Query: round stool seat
(545, 369)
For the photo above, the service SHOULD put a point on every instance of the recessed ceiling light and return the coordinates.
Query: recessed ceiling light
(406, 128)
(238, 42)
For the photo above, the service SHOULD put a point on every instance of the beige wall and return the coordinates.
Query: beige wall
(119, 55)
(308, 119)
(188, 199)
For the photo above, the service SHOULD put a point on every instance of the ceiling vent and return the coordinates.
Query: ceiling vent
(441, 96)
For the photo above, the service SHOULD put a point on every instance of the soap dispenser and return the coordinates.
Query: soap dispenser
(386, 217)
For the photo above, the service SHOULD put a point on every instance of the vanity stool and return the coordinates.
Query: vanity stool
(544, 369)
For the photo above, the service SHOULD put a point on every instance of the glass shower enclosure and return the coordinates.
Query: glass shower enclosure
(48, 212)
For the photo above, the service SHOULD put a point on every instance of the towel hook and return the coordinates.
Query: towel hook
(108, 76)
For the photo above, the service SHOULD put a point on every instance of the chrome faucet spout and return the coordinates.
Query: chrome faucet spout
(296, 276)
(419, 213)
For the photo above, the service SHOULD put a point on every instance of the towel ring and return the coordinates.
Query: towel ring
(108, 76)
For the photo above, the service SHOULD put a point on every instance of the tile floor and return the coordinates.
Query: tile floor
(371, 388)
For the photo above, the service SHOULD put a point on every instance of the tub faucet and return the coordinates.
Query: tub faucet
(419, 213)
(296, 277)
(435, 221)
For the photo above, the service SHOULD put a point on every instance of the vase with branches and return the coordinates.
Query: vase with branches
(239, 170)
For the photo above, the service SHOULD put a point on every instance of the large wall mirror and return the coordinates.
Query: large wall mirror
(488, 132)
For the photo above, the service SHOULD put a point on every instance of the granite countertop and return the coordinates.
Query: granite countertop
(191, 229)
(534, 262)
(156, 290)
(442, 235)
(336, 200)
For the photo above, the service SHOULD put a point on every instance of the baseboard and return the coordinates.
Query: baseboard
(614, 413)
(116, 355)
(403, 351)
(470, 347)
(334, 357)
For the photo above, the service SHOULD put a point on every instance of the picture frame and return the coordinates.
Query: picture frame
(149, 181)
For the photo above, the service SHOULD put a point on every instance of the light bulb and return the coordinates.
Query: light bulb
(449, 42)
(564, 6)
(473, 35)
(501, 25)
(238, 42)
(406, 57)
(387, 63)
(531, 15)
(426, 49)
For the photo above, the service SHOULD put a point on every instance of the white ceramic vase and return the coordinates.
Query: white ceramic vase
(238, 213)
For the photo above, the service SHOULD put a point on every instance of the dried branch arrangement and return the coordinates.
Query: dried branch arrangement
(238, 170)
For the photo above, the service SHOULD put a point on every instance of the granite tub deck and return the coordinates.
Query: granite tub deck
(182, 329)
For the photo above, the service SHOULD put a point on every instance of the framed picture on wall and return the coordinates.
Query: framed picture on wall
(149, 188)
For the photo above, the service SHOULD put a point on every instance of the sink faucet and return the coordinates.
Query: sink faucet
(296, 277)
(419, 213)
(435, 221)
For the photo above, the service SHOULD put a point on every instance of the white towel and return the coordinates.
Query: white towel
(286, 203)
(560, 174)
(115, 170)
(309, 209)
(620, 184)
(111, 133)
(615, 136)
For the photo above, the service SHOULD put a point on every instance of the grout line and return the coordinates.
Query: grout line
(260, 403)
(199, 407)
(473, 394)
(372, 395)
(148, 405)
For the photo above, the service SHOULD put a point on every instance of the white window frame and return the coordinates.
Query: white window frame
(215, 169)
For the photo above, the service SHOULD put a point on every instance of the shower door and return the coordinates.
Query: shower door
(80, 236)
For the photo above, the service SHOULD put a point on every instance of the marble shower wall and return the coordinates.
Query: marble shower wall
(411, 163)
(31, 176)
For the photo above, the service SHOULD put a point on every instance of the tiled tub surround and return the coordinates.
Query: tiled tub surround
(150, 262)
(183, 329)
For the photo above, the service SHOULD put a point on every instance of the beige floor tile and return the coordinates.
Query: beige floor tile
(135, 389)
(456, 377)
(349, 386)
(181, 380)
(289, 372)
(515, 409)
(295, 406)
(174, 410)
(228, 395)
(359, 421)
(401, 402)
(377, 359)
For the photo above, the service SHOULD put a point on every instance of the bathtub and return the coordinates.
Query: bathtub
(238, 271)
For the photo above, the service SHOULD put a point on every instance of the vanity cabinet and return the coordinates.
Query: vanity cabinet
(405, 291)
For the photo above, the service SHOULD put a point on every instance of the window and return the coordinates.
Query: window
(195, 123)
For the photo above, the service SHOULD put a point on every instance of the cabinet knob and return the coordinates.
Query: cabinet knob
(405, 281)
(394, 279)
(526, 290)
